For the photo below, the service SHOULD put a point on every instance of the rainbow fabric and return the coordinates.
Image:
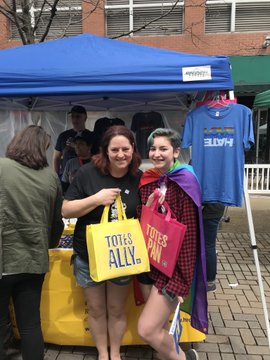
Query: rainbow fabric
(196, 303)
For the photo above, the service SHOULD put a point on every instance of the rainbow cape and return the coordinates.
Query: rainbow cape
(196, 303)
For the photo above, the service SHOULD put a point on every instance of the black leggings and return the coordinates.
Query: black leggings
(25, 291)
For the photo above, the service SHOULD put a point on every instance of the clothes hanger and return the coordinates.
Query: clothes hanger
(219, 100)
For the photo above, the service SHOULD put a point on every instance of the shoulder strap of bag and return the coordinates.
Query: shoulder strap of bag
(105, 214)
(120, 208)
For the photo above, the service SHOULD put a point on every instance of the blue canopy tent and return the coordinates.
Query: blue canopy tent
(102, 73)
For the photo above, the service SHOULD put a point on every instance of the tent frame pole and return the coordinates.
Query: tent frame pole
(256, 258)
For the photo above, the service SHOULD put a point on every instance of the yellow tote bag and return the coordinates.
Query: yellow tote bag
(64, 313)
(117, 248)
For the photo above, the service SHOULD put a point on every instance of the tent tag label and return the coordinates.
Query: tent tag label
(196, 73)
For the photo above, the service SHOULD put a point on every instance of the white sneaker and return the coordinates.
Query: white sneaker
(192, 355)
(211, 286)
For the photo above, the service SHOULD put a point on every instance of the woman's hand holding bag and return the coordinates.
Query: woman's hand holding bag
(163, 236)
(116, 248)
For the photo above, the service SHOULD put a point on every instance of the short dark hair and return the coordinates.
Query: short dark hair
(78, 109)
(86, 136)
(28, 147)
(101, 159)
(172, 135)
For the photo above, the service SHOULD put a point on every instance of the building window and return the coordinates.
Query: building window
(66, 22)
(237, 15)
(128, 17)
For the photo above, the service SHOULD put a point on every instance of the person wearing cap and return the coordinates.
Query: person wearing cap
(64, 148)
(82, 145)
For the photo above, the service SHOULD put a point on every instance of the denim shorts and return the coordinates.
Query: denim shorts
(82, 274)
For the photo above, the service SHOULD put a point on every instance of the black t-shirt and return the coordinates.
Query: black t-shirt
(101, 125)
(68, 152)
(143, 124)
(89, 181)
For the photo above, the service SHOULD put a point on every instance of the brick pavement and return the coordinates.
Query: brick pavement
(237, 329)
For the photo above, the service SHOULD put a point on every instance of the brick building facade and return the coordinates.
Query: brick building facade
(203, 27)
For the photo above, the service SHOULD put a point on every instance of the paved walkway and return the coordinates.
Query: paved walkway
(237, 328)
(237, 325)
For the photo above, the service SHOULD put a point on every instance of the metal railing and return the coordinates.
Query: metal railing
(258, 178)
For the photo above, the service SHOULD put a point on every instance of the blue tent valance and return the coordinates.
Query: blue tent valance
(100, 72)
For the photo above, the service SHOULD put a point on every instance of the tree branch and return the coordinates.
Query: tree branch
(53, 13)
(97, 5)
(27, 30)
(37, 20)
(149, 22)
(17, 23)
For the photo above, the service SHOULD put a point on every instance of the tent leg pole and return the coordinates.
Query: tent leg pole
(256, 259)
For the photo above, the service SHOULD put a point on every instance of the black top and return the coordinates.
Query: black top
(101, 125)
(89, 181)
(68, 152)
(143, 124)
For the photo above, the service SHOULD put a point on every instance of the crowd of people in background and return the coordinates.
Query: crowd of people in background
(90, 170)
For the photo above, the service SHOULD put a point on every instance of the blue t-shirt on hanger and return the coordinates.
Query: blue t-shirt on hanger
(219, 138)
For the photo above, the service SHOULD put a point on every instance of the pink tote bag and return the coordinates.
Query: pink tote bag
(163, 236)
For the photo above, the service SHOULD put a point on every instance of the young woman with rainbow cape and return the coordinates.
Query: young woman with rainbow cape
(179, 186)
